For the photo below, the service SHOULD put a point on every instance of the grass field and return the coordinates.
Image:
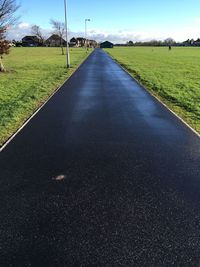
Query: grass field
(173, 76)
(32, 76)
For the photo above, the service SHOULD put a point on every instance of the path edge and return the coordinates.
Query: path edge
(39, 108)
(154, 96)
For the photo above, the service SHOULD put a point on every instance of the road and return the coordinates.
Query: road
(103, 175)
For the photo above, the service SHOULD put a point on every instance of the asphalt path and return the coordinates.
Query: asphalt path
(103, 175)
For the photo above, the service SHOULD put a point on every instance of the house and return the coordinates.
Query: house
(55, 40)
(77, 42)
(106, 44)
(30, 41)
(92, 43)
(80, 42)
(73, 42)
(197, 42)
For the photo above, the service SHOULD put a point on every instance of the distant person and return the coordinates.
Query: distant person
(170, 48)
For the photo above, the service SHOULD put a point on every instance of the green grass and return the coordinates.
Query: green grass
(173, 76)
(33, 74)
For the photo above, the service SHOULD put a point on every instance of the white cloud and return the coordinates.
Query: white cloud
(21, 30)
(23, 25)
(197, 21)
(179, 32)
(121, 36)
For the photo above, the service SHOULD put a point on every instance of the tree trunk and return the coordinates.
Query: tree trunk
(2, 69)
(61, 45)
(62, 50)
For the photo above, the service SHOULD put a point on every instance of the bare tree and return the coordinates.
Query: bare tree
(7, 19)
(37, 31)
(59, 29)
(169, 41)
(4, 48)
(7, 11)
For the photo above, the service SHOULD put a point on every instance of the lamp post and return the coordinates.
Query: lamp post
(86, 33)
(67, 45)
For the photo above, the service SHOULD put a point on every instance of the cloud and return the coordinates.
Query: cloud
(179, 32)
(23, 25)
(121, 36)
(196, 21)
(189, 30)
(17, 32)
(23, 29)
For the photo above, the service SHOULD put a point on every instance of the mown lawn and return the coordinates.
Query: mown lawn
(32, 76)
(173, 76)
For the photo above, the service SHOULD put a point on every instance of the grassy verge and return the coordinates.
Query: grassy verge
(33, 74)
(173, 76)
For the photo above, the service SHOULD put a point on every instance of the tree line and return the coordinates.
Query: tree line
(166, 42)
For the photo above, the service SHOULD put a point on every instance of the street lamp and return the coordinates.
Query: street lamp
(67, 45)
(86, 33)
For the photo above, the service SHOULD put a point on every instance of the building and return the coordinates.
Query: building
(92, 43)
(30, 41)
(106, 44)
(77, 42)
(55, 41)
(81, 42)
(196, 43)
(73, 42)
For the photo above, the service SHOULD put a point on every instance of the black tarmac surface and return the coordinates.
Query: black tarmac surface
(103, 175)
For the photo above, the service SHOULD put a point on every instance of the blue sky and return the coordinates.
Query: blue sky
(116, 19)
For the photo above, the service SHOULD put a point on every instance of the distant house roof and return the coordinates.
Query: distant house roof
(80, 39)
(106, 44)
(54, 37)
(93, 41)
(30, 38)
(73, 40)
(197, 42)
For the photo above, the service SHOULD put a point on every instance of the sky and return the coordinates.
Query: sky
(114, 20)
